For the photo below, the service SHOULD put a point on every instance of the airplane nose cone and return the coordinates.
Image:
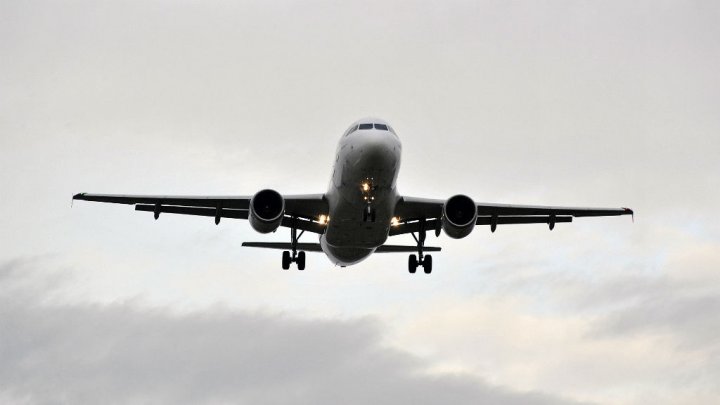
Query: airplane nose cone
(379, 149)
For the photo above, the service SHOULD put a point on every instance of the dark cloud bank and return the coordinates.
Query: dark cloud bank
(123, 353)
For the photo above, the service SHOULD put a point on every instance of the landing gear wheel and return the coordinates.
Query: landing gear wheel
(300, 260)
(427, 264)
(412, 263)
(286, 260)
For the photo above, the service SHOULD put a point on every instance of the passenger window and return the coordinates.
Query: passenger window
(381, 126)
(365, 126)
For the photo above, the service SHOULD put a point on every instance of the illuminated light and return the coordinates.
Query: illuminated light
(365, 187)
(324, 219)
(394, 221)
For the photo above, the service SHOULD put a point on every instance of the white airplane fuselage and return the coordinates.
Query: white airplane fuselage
(362, 194)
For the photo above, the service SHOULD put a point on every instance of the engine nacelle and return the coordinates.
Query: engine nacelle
(459, 216)
(267, 208)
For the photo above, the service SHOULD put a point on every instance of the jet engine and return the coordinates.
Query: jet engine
(459, 216)
(266, 211)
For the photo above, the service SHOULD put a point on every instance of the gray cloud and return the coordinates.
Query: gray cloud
(124, 353)
(694, 318)
(688, 311)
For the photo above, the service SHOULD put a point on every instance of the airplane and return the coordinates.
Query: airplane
(361, 209)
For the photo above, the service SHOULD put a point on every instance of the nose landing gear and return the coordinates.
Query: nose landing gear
(369, 214)
(296, 257)
(367, 190)
(420, 260)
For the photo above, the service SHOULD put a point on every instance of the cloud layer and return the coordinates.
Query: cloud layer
(121, 353)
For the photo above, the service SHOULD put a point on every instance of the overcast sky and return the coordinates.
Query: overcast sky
(555, 102)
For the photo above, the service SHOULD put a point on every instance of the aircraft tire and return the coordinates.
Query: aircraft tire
(427, 264)
(412, 263)
(285, 260)
(301, 260)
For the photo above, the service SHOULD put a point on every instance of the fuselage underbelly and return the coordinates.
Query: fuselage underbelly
(362, 195)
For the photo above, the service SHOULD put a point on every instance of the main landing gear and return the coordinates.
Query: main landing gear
(420, 260)
(296, 257)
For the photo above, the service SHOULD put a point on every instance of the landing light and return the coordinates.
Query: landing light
(323, 219)
(366, 187)
(394, 221)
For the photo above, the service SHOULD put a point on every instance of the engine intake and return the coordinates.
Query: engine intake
(267, 208)
(459, 216)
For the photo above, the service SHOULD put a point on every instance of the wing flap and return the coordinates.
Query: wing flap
(522, 220)
(433, 224)
(410, 227)
(204, 212)
(304, 225)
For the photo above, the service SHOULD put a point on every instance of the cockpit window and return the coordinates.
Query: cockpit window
(381, 126)
(390, 129)
(365, 126)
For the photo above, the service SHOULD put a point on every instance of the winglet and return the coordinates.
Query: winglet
(631, 212)
(78, 196)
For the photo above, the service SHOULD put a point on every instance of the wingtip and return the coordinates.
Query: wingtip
(77, 196)
(630, 212)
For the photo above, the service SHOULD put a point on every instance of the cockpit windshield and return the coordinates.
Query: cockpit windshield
(366, 126)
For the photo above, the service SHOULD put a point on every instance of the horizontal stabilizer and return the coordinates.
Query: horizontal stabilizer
(308, 247)
(315, 247)
(404, 249)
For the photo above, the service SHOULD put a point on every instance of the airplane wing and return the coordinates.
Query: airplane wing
(410, 210)
(307, 208)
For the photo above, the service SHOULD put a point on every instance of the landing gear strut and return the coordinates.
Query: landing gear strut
(369, 214)
(420, 260)
(296, 257)
(367, 189)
